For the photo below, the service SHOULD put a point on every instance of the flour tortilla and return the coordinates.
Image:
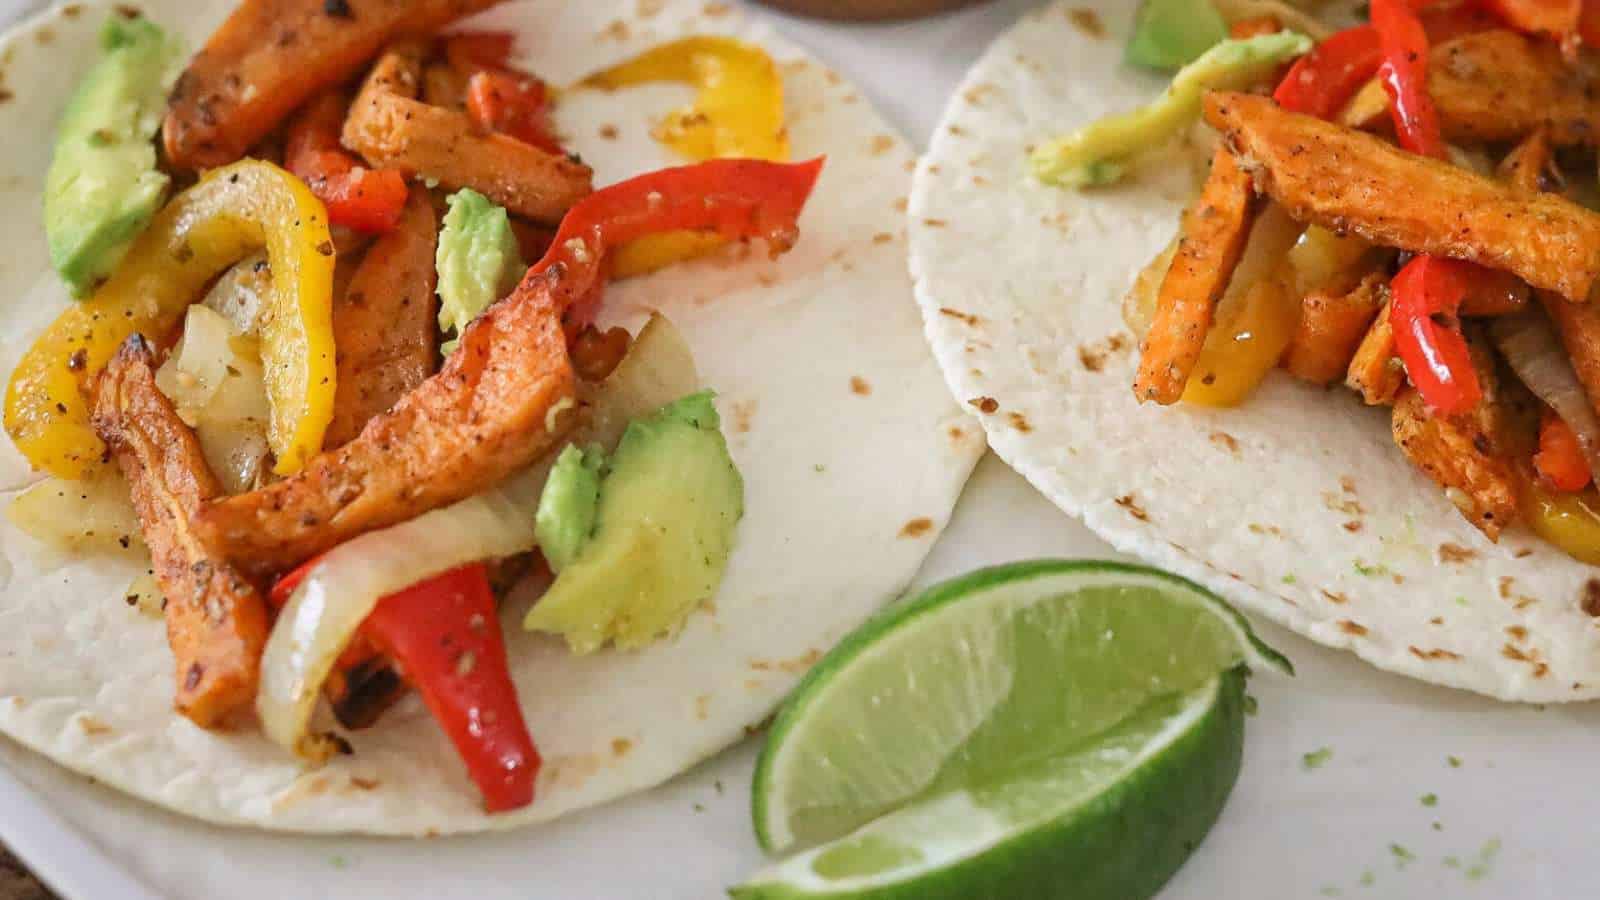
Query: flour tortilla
(1297, 505)
(852, 451)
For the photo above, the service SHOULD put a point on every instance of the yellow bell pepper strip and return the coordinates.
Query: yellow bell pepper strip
(1240, 353)
(232, 212)
(1569, 521)
(737, 112)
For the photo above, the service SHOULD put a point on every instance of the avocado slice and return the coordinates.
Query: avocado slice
(103, 185)
(478, 260)
(664, 529)
(569, 504)
(1170, 34)
(1101, 152)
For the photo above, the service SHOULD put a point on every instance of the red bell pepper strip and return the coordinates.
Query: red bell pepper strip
(1589, 23)
(1404, 73)
(1560, 459)
(367, 200)
(1422, 312)
(444, 634)
(735, 198)
(501, 98)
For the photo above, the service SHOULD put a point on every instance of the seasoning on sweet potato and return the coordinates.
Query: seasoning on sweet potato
(270, 56)
(1497, 86)
(1375, 371)
(1214, 233)
(391, 128)
(1346, 180)
(216, 620)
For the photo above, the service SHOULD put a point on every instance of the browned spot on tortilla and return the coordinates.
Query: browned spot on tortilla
(935, 223)
(92, 726)
(917, 527)
(976, 94)
(1335, 597)
(702, 707)
(970, 319)
(609, 132)
(1517, 632)
(1352, 526)
(1088, 22)
(744, 412)
(957, 434)
(618, 30)
(986, 405)
(1455, 553)
(882, 237)
(71, 10)
(1591, 598)
(1436, 620)
(1347, 484)
(1061, 221)
(1020, 422)
(795, 666)
(956, 130)
(621, 746)
(1433, 655)
(1513, 653)
(648, 9)
(1092, 358)
(1508, 592)
(1226, 441)
(1258, 528)
(882, 144)
(45, 37)
(1523, 553)
(1349, 627)
(858, 385)
(5, 95)
(901, 204)
(1134, 509)
(1341, 505)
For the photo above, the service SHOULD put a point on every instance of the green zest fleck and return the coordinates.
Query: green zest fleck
(1373, 571)
(1452, 862)
(1289, 579)
(1101, 153)
(1430, 799)
(339, 862)
(1331, 891)
(1485, 862)
(1455, 761)
(1367, 878)
(1316, 759)
(1462, 601)
(1402, 856)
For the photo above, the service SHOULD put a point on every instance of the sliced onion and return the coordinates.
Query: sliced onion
(93, 515)
(197, 366)
(342, 589)
(240, 295)
(1531, 346)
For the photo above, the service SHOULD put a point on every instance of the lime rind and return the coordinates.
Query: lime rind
(1014, 584)
(1153, 807)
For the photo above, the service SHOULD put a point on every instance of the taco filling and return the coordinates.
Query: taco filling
(336, 342)
(1403, 207)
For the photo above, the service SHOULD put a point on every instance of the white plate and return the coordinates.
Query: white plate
(1522, 784)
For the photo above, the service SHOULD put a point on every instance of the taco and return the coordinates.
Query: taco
(1254, 325)
(441, 417)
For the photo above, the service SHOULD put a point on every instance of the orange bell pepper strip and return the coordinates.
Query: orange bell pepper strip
(1560, 459)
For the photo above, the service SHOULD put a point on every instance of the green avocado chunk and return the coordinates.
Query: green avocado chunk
(103, 185)
(1100, 153)
(1170, 34)
(478, 260)
(664, 529)
(568, 506)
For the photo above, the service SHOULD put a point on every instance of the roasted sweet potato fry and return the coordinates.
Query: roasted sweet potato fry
(495, 406)
(385, 323)
(391, 128)
(1375, 371)
(1214, 233)
(1349, 181)
(1332, 324)
(270, 56)
(216, 620)
(1498, 86)
(1465, 454)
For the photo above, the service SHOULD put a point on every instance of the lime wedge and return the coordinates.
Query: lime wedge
(1041, 729)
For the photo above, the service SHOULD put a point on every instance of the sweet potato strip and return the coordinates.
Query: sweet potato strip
(1332, 324)
(391, 128)
(216, 620)
(1346, 180)
(495, 407)
(1498, 86)
(1375, 371)
(385, 322)
(1214, 233)
(1465, 454)
(270, 56)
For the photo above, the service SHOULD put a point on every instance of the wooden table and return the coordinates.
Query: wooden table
(17, 883)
